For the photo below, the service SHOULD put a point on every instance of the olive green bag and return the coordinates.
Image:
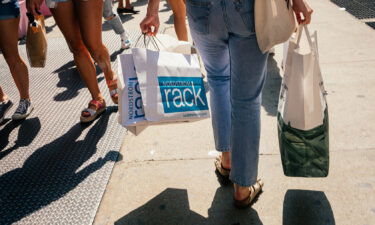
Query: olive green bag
(304, 153)
(303, 111)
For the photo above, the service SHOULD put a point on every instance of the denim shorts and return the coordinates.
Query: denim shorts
(9, 9)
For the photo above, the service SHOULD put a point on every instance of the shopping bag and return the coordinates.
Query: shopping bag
(274, 22)
(36, 42)
(131, 109)
(171, 86)
(303, 112)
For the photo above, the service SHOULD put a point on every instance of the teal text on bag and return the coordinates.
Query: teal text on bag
(182, 94)
(134, 99)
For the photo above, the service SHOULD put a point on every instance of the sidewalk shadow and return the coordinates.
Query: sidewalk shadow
(52, 171)
(27, 132)
(271, 90)
(70, 78)
(172, 207)
(307, 207)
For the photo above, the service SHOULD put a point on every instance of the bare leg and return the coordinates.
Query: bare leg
(9, 47)
(90, 22)
(3, 96)
(65, 18)
(128, 4)
(121, 4)
(179, 14)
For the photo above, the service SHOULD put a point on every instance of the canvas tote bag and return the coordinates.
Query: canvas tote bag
(303, 112)
(274, 22)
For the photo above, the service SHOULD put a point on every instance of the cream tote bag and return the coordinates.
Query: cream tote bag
(274, 22)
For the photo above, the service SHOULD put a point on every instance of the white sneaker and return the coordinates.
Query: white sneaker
(23, 110)
(125, 43)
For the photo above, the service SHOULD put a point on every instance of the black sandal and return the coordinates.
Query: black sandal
(126, 10)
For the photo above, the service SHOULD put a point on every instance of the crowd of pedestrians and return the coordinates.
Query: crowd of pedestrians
(224, 34)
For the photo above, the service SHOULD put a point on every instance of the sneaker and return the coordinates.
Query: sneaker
(4, 108)
(125, 44)
(24, 109)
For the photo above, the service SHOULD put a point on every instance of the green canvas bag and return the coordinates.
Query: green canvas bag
(304, 153)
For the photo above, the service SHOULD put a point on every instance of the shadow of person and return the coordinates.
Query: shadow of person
(271, 90)
(70, 79)
(27, 132)
(172, 207)
(307, 207)
(52, 171)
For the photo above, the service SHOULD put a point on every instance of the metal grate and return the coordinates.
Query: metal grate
(361, 9)
(53, 169)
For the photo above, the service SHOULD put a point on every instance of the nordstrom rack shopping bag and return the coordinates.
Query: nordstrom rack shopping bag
(171, 86)
(303, 113)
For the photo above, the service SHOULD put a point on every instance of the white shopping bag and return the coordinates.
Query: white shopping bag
(302, 99)
(131, 113)
(171, 86)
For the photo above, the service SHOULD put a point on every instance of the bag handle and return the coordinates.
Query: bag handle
(147, 39)
(299, 36)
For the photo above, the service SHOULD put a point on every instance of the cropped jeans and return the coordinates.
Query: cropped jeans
(224, 34)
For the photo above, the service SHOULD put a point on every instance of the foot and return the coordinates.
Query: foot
(94, 110)
(4, 108)
(246, 196)
(125, 43)
(23, 110)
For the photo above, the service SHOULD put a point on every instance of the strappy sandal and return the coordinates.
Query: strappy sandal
(220, 169)
(255, 191)
(89, 114)
(113, 89)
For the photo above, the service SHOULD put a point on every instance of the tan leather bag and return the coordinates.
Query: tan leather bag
(274, 22)
(36, 42)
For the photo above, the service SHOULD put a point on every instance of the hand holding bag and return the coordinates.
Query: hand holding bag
(36, 42)
(274, 22)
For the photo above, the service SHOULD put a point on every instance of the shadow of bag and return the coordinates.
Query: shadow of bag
(36, 42)
(274, 22)
(303, 112)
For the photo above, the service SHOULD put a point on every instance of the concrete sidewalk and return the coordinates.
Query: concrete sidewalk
(166, 175)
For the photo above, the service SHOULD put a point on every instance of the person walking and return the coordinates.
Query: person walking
(224, 34)
(179, 16)
(9, 20)
(81, 24)
(115, 23)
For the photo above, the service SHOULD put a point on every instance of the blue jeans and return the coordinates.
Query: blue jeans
(224, 34)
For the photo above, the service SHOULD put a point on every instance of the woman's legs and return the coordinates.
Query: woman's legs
(9, 47)
(248, 71)
(65, 18)
(179, 14)
(89, 15)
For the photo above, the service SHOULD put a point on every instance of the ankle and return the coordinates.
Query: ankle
(240, 192)
(226, 160)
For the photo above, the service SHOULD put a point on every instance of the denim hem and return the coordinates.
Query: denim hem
(223, 149)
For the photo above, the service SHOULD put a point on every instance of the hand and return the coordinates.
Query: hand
(150, 24)
(301, 7)
(33, 6)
